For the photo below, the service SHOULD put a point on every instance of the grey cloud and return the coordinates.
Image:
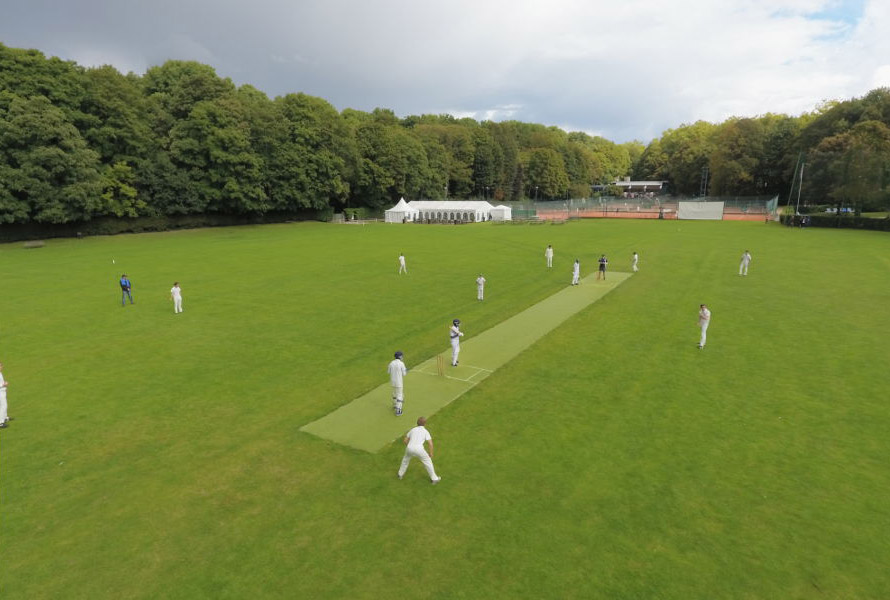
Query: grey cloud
(628, 71)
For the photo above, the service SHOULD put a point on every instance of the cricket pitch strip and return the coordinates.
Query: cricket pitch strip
(367, 423)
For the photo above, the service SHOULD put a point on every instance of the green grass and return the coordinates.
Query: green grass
(156, 455)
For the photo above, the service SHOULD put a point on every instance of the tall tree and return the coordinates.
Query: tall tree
(29, 73)
(687, 149)
(310, 166)
(180, 85)
(213, 146)
(735, 159)
(547, 174)
(651, 165)
(48, 173)
(488, 162)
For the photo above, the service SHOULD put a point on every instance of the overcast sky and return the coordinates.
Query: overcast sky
(624, 69)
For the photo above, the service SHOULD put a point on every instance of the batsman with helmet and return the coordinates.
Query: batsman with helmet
(456, 334)
(397, 371)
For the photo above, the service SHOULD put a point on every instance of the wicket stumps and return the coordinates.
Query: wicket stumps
(440, 364)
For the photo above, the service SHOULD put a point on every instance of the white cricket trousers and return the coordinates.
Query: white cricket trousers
(403, 269)
(743, 268)
(3, 407)
(177, 305)
(635, 267)
(704, 333)
(480, 292)
(418, 452)
(575, 278)
(455, 350)
(549, 262)
(398, 397)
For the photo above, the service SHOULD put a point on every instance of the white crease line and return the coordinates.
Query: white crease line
(459, 379)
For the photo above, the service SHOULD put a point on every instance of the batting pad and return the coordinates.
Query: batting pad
(368, 423)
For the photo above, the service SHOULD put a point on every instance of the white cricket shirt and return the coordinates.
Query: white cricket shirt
(397, 370)
(417, 436)
(176, 292)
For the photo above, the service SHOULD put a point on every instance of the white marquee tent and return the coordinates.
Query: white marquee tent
(400, 213)
(468, 211)
(502, 213)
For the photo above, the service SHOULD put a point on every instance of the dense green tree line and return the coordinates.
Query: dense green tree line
(78, 143)
(843, 148)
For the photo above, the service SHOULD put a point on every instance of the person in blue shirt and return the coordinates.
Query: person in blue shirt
(603, 261)
(125, 290)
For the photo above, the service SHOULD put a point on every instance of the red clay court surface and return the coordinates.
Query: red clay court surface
(561, 215)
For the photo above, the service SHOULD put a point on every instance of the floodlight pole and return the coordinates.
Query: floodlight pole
(793, 177)
(799, 186)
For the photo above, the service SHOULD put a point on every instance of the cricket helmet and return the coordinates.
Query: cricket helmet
(399, 354)
(456, 321)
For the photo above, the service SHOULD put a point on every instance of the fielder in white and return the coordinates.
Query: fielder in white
(455, 334)
(576, 272)
(176, 295)
(4, 416)
(548, 254)
(634, 261)
(746, 260)
(397, 370)
(480, 287)
(402, 267)
(704, 319)
(414, 439)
